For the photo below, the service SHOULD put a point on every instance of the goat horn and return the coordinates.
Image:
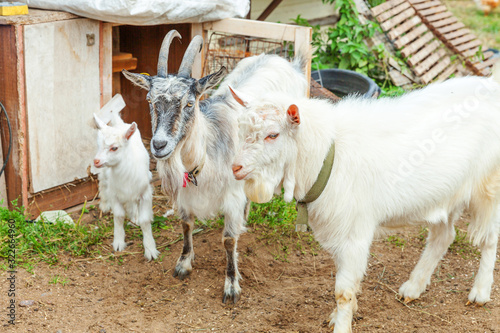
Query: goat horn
(187, 62)
(163, 57)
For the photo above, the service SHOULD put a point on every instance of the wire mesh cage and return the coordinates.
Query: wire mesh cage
(227, 50)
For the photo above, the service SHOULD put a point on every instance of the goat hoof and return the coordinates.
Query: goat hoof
(235, 297)
(181, 273)
(408, 300)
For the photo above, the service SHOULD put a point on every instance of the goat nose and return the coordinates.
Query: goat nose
(97, 162)
(159, 144)
(236, 168)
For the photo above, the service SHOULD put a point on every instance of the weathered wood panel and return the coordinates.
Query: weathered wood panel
(10, 99)
(409, 37)
(62, 197)
(62, 78)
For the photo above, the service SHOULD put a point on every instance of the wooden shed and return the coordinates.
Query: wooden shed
(57, 69)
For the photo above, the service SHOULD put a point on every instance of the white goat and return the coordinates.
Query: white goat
(125, 181)
(191, 135)
(424, 156)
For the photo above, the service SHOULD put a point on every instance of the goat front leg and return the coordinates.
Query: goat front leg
(351, 261)
(119, 231)
(184, 264)
(234, 225)
(145, 216)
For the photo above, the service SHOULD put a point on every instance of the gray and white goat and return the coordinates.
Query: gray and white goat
(195, 140)
(125, 181)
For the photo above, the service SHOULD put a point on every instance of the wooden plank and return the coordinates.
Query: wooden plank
(106, 62)
(398, 79)
(486, 56)
(413, 2)
(425, 5)
(385, 6)
(439, 16)
(444, 22)
(394, 33)
(36, 16)
(410, 36)
(433, 10)
(303, 39)
(255, 28)
(318, 91)
(406, 71)
(60, 147)
(62, 197)
(23, 126)
(422, 54)
(197, 70)
(427, 63)
(486, 71)
(9, 96)
(461, 40)
(427, 77)
(470, 52)
(469, 45)
(128, 64)
(449, 28)
(486, 63)
(416, 45)
(450, 70)
(456, 34)
(269, 9)
(394, 11)
(398, 19)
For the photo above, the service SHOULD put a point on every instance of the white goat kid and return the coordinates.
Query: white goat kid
(424, 156)
(125, 181)
(192, 135)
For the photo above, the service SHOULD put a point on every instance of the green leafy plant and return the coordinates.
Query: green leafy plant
(345, 46)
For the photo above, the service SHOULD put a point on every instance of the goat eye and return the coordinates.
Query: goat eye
(148, 99)
(113, 148)
(189, 104)
(272, 136)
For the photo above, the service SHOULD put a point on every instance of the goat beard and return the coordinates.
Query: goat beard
(258, 190)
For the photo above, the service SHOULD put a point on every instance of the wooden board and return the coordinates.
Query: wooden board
(61, 145)
(4, 201)
(62, 197)
(410, 36)
(36, 16)
(9, 97)
(417, 45)
(422, 54)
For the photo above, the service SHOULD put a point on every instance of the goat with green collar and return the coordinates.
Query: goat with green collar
(424, 156)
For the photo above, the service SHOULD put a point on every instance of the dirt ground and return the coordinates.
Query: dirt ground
(279, 295)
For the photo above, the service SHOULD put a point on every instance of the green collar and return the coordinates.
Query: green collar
(315, 191)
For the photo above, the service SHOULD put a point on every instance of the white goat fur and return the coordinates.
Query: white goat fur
(424, 156)
(125, 181)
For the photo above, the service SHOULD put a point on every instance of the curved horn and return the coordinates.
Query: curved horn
(187, 62)
(163, 57)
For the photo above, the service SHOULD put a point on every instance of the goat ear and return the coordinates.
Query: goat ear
(293, 114)
(141, 80)
(211, 80)
(131, 130)
(98, 122)
(238, 96)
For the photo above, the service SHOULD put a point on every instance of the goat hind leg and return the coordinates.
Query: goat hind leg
(440, 237)
(481, 291)
(148, 241)
(184, 264)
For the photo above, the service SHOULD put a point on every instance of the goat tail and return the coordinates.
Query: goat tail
(495, 73)
(302, 57)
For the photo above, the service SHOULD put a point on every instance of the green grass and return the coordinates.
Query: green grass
(486, 28)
